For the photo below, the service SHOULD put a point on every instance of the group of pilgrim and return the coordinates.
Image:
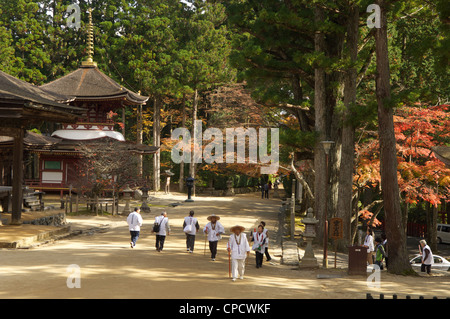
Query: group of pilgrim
(238, 246)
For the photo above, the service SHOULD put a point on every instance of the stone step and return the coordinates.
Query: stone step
(290, 253)
(26, 235)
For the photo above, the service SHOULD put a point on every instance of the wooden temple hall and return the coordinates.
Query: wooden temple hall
(80, 105)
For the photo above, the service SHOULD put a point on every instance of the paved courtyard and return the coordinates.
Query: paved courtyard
(109, 268)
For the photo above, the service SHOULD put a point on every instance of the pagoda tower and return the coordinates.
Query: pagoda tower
(99, 96)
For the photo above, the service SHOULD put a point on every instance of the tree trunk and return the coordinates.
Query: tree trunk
(431, 236)
(157, 143)
(301, 116)
(17, 181)
(194, 118)
(320, 182)
(139, 139)
(345, 192)
(395, 231)
(183, 124)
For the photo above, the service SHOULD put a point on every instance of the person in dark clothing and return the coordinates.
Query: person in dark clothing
(266, 245)
(259, 239)
(385, 246)
(266, 190)
(379, 253)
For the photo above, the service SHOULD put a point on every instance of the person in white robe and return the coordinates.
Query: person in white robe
(164, 230)
(134, 221)
(427, 257)
(259, 241)
(214, 230)
(190, 228)
(239, 249)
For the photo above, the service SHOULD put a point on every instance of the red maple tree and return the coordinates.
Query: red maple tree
(422, 177)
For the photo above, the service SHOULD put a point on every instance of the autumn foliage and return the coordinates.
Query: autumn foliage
(422, 177)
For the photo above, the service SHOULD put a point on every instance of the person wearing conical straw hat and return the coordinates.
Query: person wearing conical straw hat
(213, 229)
(239, 249)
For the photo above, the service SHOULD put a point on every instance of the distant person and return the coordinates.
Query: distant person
(167, 186)
(163, 229)
(239, 249)
(368, 243)
(380, 254)
(213, 230)
(190, 228)
(385, 246)
(427, 256)
(266, 190)
(134, 221)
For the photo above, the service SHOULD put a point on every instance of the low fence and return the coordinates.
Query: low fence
(93, 204)
(369, 296)
(416, 229)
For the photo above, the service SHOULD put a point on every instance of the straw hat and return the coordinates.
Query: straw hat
(232, 229)
(213, 215)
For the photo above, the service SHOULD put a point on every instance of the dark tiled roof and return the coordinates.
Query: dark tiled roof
(20, 99)
(37, 142)
(64, 145)
(32, 140)
(89, 83)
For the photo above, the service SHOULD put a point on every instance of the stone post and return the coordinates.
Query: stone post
(144, 207)
(293, 210)
(230, 189)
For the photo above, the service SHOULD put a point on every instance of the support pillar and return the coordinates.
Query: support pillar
(17, 192)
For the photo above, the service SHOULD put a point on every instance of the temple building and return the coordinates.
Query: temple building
(23, 104)
(99, 96)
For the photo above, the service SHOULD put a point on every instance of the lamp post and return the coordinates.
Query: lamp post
(189, 184)
(293, 210)
(326, 147)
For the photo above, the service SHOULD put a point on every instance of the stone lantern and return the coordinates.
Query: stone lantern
(309, 260)
(144, 207)
(230, 189)
(127, 191)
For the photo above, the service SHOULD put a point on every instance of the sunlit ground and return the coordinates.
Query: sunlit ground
(109, 268)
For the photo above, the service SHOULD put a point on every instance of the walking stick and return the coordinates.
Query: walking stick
(229, 265)
(204, 247)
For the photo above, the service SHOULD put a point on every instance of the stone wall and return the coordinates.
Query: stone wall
(224, 192)
(53, 220)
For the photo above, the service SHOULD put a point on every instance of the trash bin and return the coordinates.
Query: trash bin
(357, 260)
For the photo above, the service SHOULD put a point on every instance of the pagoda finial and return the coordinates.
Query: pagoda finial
(90, 42)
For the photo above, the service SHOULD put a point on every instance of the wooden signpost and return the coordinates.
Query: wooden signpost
(336, 232)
